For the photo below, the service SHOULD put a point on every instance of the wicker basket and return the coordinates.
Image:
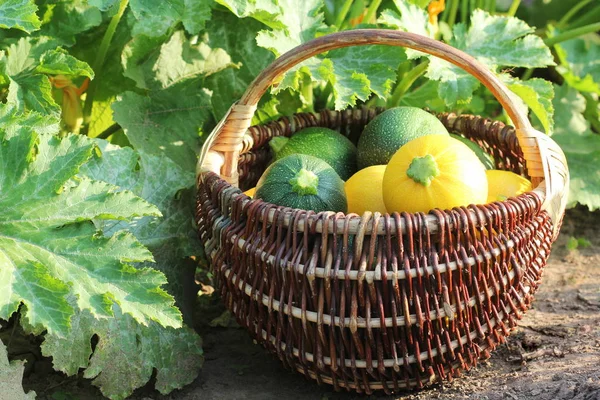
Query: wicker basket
(377, 301)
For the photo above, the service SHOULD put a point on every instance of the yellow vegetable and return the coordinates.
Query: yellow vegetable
(433, 171)
(250, 192)
(364, 191)
(505, 184)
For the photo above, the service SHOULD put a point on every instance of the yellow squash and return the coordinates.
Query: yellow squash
(505, 184)
(433, 171)
(364, 191)
(250, 192)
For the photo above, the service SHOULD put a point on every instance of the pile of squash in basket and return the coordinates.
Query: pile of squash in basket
(405, 160)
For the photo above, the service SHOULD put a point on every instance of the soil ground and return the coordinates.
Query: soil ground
(554, 353)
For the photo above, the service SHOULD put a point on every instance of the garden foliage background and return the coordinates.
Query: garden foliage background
(104, 105)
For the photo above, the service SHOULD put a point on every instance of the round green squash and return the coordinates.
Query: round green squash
(392, 129)
(302, 181)
(328, 145)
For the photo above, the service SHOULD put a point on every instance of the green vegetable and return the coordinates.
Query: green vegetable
(392, 129)
(302, 181)
(328, 145)
(485, 158)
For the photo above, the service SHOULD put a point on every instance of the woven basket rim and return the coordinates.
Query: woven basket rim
(369, 222)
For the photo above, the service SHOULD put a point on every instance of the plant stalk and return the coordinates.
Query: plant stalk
(339, 20)
(567, 17)
(99, 62)
(372, 11)
(406, 82)
(591, 16)
(464, 10)
(452, 13)
(572, 34)
(527, 74)
(513, 8)
(114, 128)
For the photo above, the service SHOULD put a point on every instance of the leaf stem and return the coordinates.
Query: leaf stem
(343, 12)
(99, 62)
(372, 11)
(307, 92)
(572, 34)
(452, 13)
(592, 15)
(492, 6)
(513, 8)
(527, 74)
(406, 82)
(464, 10)
(114, 128)
(567, 17)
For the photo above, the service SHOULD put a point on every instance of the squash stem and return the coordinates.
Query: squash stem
(513, 8)
(372, 11)
(305, 182)
(342, 14)
(567, 17)
(407, 81)
(423, 170)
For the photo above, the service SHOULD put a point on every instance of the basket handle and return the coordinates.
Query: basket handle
(545, 160)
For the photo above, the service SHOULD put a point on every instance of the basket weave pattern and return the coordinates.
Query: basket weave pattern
(399, 301)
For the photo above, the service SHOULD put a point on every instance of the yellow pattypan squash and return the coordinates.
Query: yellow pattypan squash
(433, 171)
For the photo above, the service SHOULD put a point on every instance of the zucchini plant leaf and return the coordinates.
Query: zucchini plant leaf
(160, 181)
(127, 351)
(412, 18)
(537, 94)
(353, 72)
(50, 249)
(68, 19)
(167, 121)
(155, 17)
(11, 376)
(126, 354)
(178, 59)
(25, 65)
(265, 11)
(580, 144)
(248, 60)
(495, 41)
(579, 63)
(20, 14)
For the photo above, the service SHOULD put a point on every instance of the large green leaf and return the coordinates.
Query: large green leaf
(58, 61)
(20, 14)
(11, 376)
(265, 11)
(50, 248)
(580, 63)
(581, 146)
(240, 43)
(537, 94)
(64, 20)
(126, 353)
(495, 41)
(155, 17)
(162, 182)
(25, 64)
(356, 72)
(167, 121)
(176, 59)
(411, 19)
